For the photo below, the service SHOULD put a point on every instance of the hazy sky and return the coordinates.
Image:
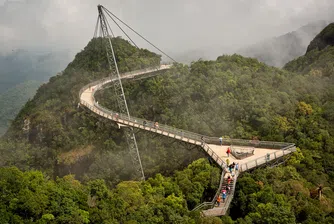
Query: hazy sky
(174, 25)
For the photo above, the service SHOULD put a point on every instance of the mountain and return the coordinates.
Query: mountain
(59, 130)
(319, 56)
(21, 65)
(323, 39)
(232, 96)
(278, 51)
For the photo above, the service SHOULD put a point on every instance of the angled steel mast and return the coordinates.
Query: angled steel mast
(119, 92)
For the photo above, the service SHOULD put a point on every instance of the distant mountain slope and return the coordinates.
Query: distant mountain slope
(21, 66)
(280, 50)
(319, 58)
(13, 99)
(20, 75)
(323, 39)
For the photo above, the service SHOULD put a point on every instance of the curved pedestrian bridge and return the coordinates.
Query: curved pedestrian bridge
(262, 152)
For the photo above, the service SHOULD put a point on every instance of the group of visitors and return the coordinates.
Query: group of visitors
(155, 125)
(225, 191)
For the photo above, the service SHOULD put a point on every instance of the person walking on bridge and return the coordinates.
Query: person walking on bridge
(229, 179)
(228, 152)
(221, 141)
(224, 197)
(218, 200)
(156, 125)
(237, 166)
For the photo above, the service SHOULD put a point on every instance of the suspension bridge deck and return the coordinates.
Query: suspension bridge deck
(262, 152)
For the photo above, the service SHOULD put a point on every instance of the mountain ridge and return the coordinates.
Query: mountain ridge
(279, 50)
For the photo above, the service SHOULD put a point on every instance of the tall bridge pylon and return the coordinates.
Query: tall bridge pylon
(105, 31)
(119, 92)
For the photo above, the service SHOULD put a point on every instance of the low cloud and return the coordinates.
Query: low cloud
(217, 26)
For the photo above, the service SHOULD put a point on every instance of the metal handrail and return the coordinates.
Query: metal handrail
(149, 125)
(264, 159)
(157, 68)
(138, 122)
(244, 142)
(203, 205)
(231, 194)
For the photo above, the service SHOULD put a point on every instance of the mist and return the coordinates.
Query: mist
(208, 28)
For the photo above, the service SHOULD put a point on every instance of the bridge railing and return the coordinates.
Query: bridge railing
(244, 142)
(173, 132)
(138, 122)
(231, 194)
(270, 156)
(163, 129)
(153, 68)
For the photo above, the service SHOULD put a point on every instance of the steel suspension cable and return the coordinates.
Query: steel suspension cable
(112, 33)
(96, 27)
(120, 28)
(138, 34)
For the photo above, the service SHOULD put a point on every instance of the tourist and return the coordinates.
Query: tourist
(230, 167)
(228, 152)
(156, 125)
(224, 197)
(218, 200)
(229, 179)
(228, 188)
(237, 166)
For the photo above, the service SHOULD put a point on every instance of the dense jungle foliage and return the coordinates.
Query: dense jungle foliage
(29, 197)
(232, 96)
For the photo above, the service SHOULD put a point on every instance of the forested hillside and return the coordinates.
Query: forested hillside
(64, 139)
(231, 96)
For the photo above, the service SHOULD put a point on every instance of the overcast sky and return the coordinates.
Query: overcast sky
(174, 25)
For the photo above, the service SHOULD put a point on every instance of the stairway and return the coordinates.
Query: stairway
(223, 207)
(224, 186)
